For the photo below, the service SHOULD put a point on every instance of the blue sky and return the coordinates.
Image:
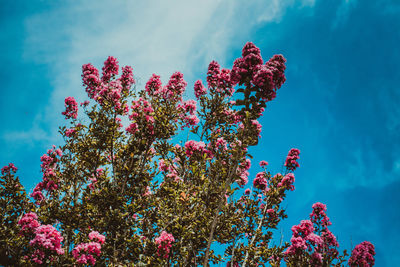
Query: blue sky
(339, 105)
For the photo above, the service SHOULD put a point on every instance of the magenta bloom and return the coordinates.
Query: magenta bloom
(175, 87)
(194, 146)
(260, 182)
(10, 168)
(110, 69)
(363, 255)
(28, 223)
(199, 89)
(94, 235)
(213, 74)
(47, 239)
(71, 106)
(291, 159)
(164, 242)
(127, 77)
(153, 85)
(263, 163)
(85, 253)
(90, 78)
(287, 181)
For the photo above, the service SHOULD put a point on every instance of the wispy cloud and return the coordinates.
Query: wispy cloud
(342, 12)
(152, 36)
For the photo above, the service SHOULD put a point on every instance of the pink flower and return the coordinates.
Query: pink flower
(132, 128)
(90, 78)
(239, 71)
(10, 168)
(164, 242)
(251, 55)
(244, 67)
(363, 255)
(260, 182)
(70, 132)
(110, 69)
(263, 78)
(48, 239)
(71, 108)
(287, 181)
(153, 85)
(257, 126)
(316, 259)
(175, 87)
(127, 77)
(277, 65)
(263, 163)
(85, 253)
(28, 223)
(94, 235)
(291, 159)
(199, 89)
(213, 74)
(319, 216)
(194, 146)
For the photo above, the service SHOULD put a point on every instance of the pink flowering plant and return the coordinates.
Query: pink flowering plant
(125, 189)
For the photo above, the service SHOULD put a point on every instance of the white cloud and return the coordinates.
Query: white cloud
(151, 36)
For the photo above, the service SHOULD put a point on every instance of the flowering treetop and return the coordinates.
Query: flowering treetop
(130, 193)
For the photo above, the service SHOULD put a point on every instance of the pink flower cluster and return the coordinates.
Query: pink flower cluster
(287, 182)
(28, 223)
(164, 242)
(199, 89)
(260, 182)
(243, 172)
(257, 127)
(9, 168)
(232, 116)
(111, 92)
(363, 255)
(172, 91)
(85, 253)
(219, 79)
(219, 144)
(195, 147)
(46, 241)
(212, 74)
(49, 163)
(175, 87)
(187, 113)
(142, 114)
(127, 77)
(291, 159)
(243, 67)
(263, 163)
(314, 234)
(318, 215)
(108, 89)
(301, 234)
(71, 106)
(153, 86)
(47, 238)
(90, 78)
(268, 78)
(170, 169)
(70, 132)
(110, 69)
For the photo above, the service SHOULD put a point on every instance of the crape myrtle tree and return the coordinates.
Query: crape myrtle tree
(165, 188)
